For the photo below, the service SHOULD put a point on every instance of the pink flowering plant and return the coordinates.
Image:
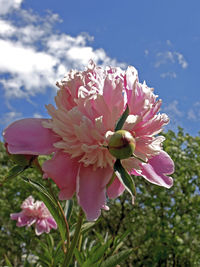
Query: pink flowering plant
(35, 213)
(102, 134)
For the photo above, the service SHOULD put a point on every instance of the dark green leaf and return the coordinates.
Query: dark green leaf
(125, 178)
(68, 209)
(13, 172)
(112, 261)
(122, 119)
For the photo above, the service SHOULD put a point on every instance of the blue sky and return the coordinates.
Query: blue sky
(41, 40)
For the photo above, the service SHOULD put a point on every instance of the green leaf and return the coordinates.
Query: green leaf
(50, 242)
(13, 172)
(99, 236)
(7, 261)
(97, 253)
(113, 260)
(118, 241)
(78, 256)
(58, 254)
(58, 248)
(87, 226)
(68, 209)
(125, 178)
(122, 119)
(51, 204)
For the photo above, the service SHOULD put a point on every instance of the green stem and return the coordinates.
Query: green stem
(111, 180)
(80, 242)
(69, 253)
(63, 215)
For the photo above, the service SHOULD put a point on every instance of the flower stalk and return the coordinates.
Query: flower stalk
(69, 254)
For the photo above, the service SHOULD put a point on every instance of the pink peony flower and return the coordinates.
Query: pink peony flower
(89, 103)
(34, 212)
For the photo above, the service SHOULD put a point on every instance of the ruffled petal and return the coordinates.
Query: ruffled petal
(28, 136)
(115, 189)
(91, 190)
(22, 219)
(51, 222)
(63, 171)
(157, 169)
(41, 227)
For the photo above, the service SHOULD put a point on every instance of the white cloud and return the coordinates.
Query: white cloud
(181, 60)
(191, 115)
(6, 6)
(6, 28)
(37, 115)
(168, 74)
(175, 114)
(33, 55)
(172, 57)
(16, 58)
(169, 43)
(172, 108)
(163, 58)
(9, 117)
(194, 113)
(29, 69)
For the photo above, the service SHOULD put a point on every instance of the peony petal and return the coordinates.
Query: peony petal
(41, 226)
(131, 78)
(31, 221)
(28, 203)
(15, 216)
(63, 171)
(115, 189)
(91, 190)
(28, 136)
(22, 219)
(157, 169)
(51, 222)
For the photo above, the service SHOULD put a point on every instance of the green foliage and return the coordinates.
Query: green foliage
(101, 251)
(114, 260)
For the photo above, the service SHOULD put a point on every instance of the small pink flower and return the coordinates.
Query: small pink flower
(89, 103)
(34, 212)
